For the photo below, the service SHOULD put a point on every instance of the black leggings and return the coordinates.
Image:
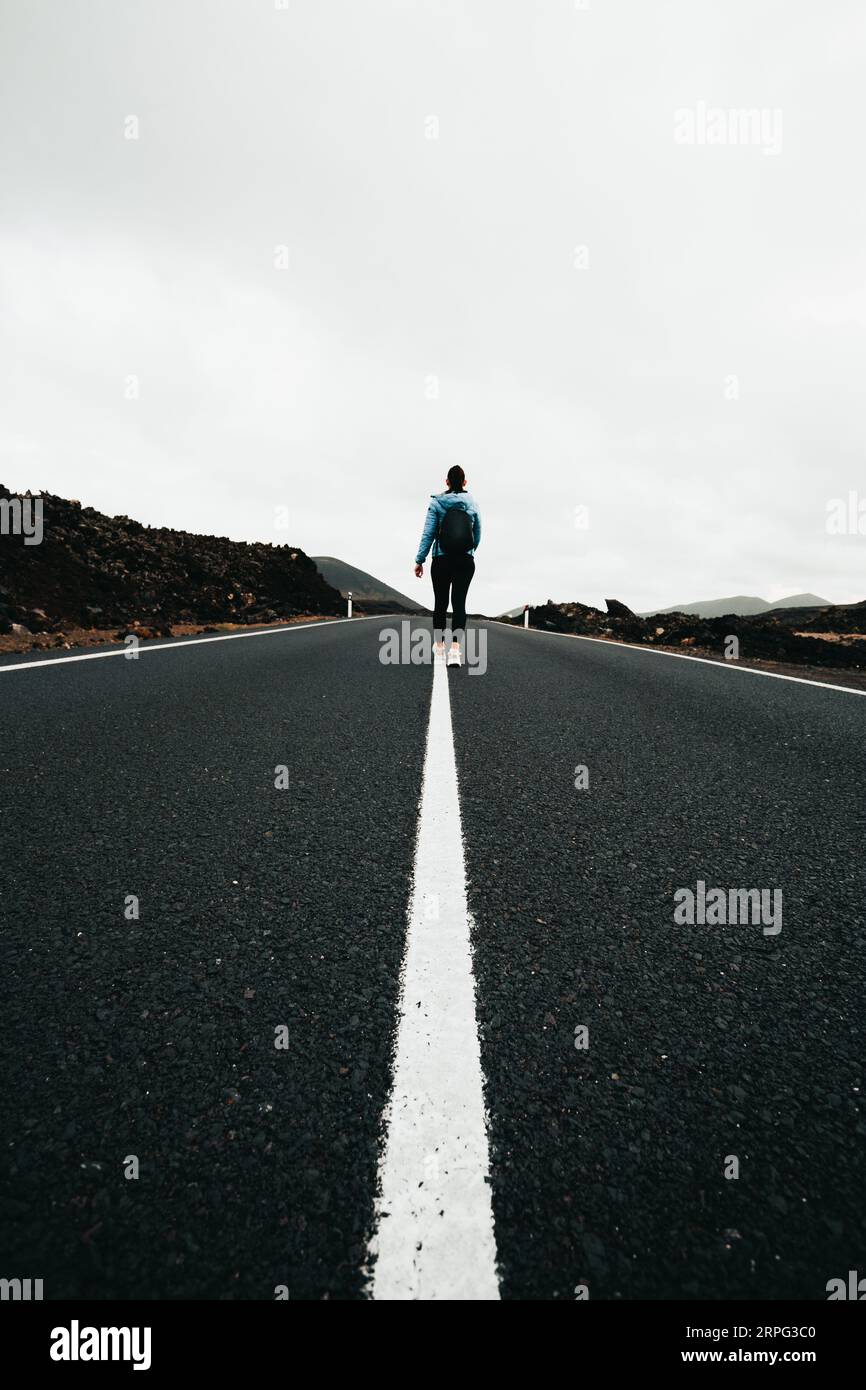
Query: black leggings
(452, 572)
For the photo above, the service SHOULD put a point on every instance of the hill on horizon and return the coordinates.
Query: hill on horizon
(366, 588)
(743, 605)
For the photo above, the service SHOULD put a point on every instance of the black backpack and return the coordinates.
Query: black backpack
(455, 532)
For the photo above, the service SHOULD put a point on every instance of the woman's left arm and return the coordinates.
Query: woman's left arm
(427, 534)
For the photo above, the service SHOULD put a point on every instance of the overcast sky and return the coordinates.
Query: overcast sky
(517, 238)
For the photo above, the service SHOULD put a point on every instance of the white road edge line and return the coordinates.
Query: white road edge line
(683, 656)
(180, 643)
(434, 1235)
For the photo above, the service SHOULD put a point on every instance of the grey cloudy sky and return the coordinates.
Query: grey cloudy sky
(505, 249)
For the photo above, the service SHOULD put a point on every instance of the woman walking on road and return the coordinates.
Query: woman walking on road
(453, 528)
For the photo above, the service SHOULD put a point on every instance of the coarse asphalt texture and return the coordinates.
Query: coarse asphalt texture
(263, 907)
(259, 908)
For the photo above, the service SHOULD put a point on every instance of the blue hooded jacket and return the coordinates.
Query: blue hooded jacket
(439, 505)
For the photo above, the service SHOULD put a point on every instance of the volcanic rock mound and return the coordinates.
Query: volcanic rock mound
(831, 636)
(95, 571)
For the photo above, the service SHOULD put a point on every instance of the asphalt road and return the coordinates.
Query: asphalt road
(262, 907)
(156, 778)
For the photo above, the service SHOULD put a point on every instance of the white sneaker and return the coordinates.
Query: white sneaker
(455, 657)
(438, 652)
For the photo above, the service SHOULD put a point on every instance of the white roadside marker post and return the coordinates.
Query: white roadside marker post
(526, 615)
(350, 603)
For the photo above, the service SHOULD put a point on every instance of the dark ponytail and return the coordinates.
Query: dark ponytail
(456, 479)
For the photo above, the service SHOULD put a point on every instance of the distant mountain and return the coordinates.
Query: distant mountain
(366, 588)
(744, 605)
(802, 601)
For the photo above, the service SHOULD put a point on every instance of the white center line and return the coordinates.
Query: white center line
(434, 1238)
